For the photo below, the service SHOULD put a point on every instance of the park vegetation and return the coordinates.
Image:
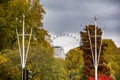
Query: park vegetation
(41, 60)
(109, 64)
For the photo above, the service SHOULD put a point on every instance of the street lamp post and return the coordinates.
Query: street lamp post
(96, 62)
(95, 54)
(23, 53)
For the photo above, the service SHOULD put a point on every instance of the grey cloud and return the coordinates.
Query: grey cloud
(68, 15)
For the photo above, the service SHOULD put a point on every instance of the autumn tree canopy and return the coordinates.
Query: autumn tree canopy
(11, 17)
(74, 62)
(88, 61)
(40, 59)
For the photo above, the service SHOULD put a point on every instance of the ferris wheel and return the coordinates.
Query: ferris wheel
(62, 43)
(68, 35)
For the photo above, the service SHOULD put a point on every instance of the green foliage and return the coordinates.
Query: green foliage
(2, 59)
(112, 57)
(11, 17)
(11, 69)
(109, 52)
(73, 62)
(40, 59)
(74, 59)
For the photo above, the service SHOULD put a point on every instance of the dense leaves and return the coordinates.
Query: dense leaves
(11, 17)
(73, 62)
(112, 57)
(78, 63)
(88, 61)
(40, 59)
(44, 65)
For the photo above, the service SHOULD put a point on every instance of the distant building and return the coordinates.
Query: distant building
(59, 52)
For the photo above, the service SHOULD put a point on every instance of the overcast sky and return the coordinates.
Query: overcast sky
(66, 16)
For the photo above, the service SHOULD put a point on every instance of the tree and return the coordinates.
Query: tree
(43, 64)
(88, 62)
(109, 53)
(11, 69)
(73, 62)
(40, 58)
(2, 59)
(11, 18)
(112, 57)
(40, 61)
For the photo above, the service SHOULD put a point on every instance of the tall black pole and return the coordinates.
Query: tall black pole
(23, 74)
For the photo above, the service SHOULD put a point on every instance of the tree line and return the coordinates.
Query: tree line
(41, 61)
(79, 60)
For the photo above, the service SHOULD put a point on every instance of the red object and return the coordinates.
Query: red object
(105, 77)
